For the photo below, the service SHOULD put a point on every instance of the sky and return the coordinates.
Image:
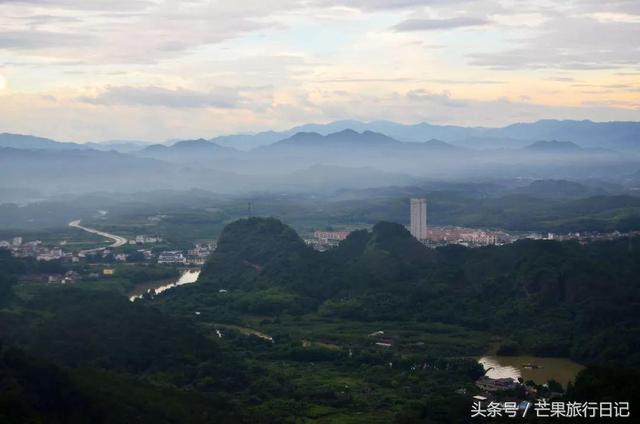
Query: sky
(95, 70)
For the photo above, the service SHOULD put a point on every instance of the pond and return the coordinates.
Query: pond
(540, 370)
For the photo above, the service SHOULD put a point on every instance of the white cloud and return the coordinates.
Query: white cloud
(439, 24)
(173, 98)
(571, 43)
(442, 99)
(32, 40)
(107, 5)
(204, 67)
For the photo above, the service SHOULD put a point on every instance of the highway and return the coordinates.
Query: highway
(117, 240)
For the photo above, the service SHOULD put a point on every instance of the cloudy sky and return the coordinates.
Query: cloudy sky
(91, 70)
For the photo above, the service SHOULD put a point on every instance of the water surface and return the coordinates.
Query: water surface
(560, 369)
(187, 277)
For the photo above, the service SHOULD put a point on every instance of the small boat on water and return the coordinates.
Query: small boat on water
(531, 366)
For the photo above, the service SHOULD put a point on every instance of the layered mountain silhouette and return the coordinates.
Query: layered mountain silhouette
(554, 146)
(616, 135)
(310, 160)
(19, 141)
(344, 138)
(199, 150)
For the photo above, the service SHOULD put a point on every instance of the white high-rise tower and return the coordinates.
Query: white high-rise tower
(419, 218)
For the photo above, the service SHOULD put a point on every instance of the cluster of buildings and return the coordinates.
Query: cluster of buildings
(200, 252)
(36, 249)
(141, 239)
(323, 240)
(448, 235)
(8, 244)
(471, 237)
(513, 395)
(474, 237)
(590, 236)
(493, 385)
(433, 236)
(70, 277)
(196, 256)
(104, 254)
(172, 257)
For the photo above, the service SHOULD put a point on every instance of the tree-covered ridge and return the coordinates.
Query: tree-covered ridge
(546, 297)
(38, 391)
(113, 361)
(94, 356)
(249, 246)
(191, 354)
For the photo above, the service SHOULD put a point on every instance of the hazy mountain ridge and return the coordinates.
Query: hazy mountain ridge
(88, 170)
(562, 189)
(347, 137)
(615, 134)
(20, 141)
(187, 151)
(122, 146)
(303, 161)
(24, 141)
(554, 146)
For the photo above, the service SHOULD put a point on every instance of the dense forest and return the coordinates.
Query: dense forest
(277, 332)
(544, 297)
(545, 205)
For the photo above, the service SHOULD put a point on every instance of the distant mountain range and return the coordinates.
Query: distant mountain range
(554, 147)
(614, 135)
(122, 146)
(347, 158)
(617, 135)
(560, 189)
(19, 141)
(188, 151)
(366, 139)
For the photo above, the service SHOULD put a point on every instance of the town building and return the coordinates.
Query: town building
(489, 384)
(71, 277)
(55, 279)
(419, 218)
(50, 255)
(324, 240)
(331, 236)
(171, 257)
(142, 239)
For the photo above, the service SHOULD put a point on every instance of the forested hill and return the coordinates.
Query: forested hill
(545, 297)
(277, 332)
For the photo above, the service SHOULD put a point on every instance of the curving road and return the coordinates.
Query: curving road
(117, 240)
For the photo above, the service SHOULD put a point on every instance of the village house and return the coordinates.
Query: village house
(495, 384)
